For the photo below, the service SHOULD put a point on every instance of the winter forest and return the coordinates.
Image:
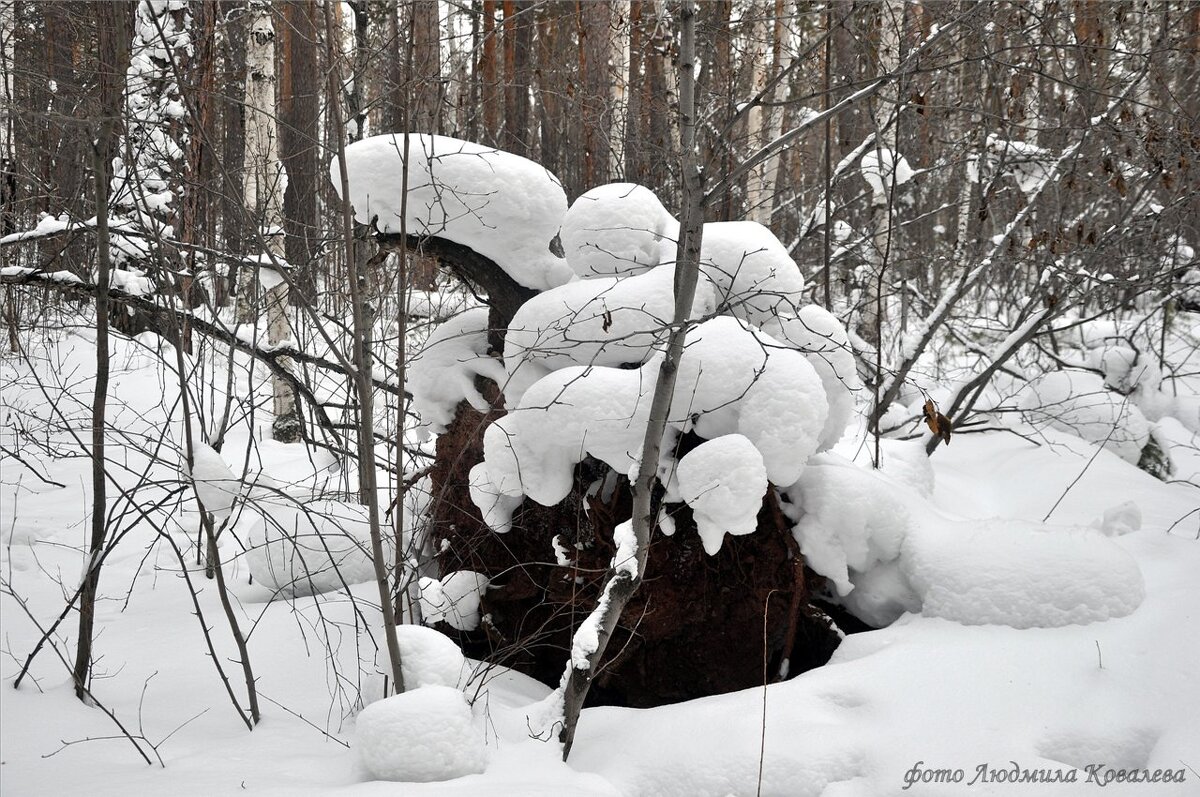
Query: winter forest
(599, 397)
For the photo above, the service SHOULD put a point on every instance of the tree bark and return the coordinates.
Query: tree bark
(264, 201)
(111, 52)
(299, 145)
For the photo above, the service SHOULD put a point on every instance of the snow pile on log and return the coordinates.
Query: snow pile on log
(501, 205)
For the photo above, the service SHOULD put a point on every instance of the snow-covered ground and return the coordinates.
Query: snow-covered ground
(927, 699)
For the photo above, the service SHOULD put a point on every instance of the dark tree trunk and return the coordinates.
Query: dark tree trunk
(299, 141)
(489, 69)
(518, 41)
(593, 32)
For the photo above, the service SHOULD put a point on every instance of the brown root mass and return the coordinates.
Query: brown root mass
(696, 625)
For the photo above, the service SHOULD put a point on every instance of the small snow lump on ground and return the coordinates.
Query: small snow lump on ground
(422, 735)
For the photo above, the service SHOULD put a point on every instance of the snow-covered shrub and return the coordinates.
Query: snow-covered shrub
(1077, 402)
(820, 337)
(604, 321)
(756, 279)
(423, 735)
(732, 379)
(307, 548)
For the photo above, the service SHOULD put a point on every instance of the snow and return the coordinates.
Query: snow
(216, 485)
(603, 321)
(851, 521)
(422, 735)
(1021, 574)
(1124, 518)
(462, 590)
(443, 372)
(731, 379)
(1031, 166)
(881, 168)
(47, 225)
(861, 529)
(1114, 692)
(625, 559)
(1125, 369)
(501, 205)
(620, 229)
(723, 480)
(755, 277)
(495, 507)
(304, 548)
(820, 337)
(453, 600)
(131, 280)
(429, 658)
(1077, 402)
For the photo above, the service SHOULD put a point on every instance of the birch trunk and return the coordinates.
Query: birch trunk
(757, 119)
(618, 102)
(872, 316)
(761, 194)
(263, 196)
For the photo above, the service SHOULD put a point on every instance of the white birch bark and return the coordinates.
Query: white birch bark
(264, 184)
(761, 190)
(757, 119)
(618, 66)
(890, 33)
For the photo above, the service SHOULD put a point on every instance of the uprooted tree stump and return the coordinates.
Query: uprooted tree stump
(697, 624)
(696, 627)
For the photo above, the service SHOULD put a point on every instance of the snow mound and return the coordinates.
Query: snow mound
(306, 549)
(618, 229)
(1119, 520)
(852, 520)
(1125, 369)
(454, 599)
(565, 416)
(881, 595)
(443, 373)
(820, 337)
(1077, 403)
(732, 379)
(216, 486)
(881, 167)
(429, 658)
(1019, 573)
(723, 481)
(422, 735)
(602, 321)
(501, 205)
(755, 277)
(886, 551)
